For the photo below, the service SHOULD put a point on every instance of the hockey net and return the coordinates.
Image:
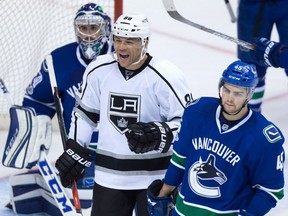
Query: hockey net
(31, 29)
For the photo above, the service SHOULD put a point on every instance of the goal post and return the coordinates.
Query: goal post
(31, 29)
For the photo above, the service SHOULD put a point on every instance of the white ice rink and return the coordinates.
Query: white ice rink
(202, 56)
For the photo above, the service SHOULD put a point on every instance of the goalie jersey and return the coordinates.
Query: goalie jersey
(224, 169)
(157, 91)
(69, 66)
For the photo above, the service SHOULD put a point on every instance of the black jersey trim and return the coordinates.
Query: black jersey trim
(94, 117)
(112, 163)
(101, 65)
(168, 83)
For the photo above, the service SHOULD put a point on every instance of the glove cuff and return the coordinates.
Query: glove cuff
(158, 206)
(277, 62)
(166, 136)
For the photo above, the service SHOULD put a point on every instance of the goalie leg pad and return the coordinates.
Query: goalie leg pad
(27, 134)
(43, 139)
(18, 148)
(29, 194)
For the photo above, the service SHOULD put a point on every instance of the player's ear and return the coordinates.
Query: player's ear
(146, 45)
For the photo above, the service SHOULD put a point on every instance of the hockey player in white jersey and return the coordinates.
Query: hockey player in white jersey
(133, 94)
(228, 159)
(92, 30)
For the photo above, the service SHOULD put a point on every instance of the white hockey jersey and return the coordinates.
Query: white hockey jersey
(117, 97)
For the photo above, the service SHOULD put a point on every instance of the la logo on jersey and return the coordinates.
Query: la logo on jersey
(206, 171)
(123, 110)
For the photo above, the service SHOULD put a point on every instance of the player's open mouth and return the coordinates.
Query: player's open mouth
(123, 56)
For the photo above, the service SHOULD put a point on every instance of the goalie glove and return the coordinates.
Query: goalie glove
(159, 206)
(144, 137)
(72, 163)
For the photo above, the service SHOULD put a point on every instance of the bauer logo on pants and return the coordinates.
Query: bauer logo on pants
(123, 110)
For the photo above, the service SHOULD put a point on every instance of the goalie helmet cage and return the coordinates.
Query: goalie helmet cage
(30, 30)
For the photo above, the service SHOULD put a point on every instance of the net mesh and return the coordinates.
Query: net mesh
(31, 29)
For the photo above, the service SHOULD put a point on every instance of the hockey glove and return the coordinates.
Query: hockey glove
(159, 206)
(266, 53)
(72, 163)
(144, 137)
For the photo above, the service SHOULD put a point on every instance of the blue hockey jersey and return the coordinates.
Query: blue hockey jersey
(223, 169)
(69, 66)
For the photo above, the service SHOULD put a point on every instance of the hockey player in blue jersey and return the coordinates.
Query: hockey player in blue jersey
(270, 53)
(92, 29)
(228, 159)
(257, 18)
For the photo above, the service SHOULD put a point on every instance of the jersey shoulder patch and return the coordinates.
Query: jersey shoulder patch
(272, 134)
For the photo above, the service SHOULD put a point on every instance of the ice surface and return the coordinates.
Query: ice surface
(202, 57)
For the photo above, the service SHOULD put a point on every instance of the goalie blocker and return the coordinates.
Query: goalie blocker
(28, 133)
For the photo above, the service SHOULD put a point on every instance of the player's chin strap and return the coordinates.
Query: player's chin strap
(142, 55)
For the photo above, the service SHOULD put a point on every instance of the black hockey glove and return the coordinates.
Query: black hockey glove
(159, 206)
(72, 163)
(266, 53)
(144, 137)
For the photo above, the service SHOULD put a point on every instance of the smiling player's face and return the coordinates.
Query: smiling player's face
(128, 51)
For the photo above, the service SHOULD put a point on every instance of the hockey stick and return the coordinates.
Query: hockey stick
(171, 10)
(53, 82)
(46, 169)
(230, 10)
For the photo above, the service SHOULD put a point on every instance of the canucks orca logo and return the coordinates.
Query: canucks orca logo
(206, 172)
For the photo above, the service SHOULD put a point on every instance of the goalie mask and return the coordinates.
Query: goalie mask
(92, 29)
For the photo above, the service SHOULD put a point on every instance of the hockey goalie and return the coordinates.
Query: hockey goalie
(28, 140)
(30, 129)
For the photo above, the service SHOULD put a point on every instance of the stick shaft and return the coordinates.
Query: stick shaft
(58, 106)
(231, 12)
(171, 10)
